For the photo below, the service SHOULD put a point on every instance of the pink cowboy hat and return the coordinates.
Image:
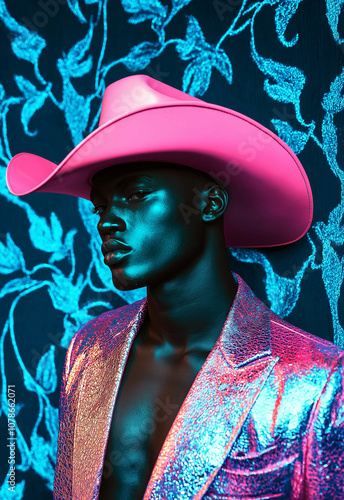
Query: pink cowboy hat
(143, 119)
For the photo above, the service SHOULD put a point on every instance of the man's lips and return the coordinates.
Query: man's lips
(113, 245)
(114, 251)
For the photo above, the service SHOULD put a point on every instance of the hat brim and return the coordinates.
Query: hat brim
(270, 196)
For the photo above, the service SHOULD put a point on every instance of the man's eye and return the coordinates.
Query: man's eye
(138, 195)
(98, 209)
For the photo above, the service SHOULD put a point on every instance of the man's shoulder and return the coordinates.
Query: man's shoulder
(116, 319)
(294, 345)
(288, 342)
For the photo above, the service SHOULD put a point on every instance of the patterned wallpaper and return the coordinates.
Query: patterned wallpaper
(279, 61)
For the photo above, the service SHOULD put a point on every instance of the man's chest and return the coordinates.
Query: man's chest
(151, 393)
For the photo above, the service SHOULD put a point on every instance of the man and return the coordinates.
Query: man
(198, 391)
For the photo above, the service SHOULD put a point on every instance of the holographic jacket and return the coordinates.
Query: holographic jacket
(264, 418)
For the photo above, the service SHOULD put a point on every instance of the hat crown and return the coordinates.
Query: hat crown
(137, 92)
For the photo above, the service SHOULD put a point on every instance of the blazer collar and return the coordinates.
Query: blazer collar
(217, 404)
(246, 335)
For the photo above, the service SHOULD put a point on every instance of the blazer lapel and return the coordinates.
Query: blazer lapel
(99, 386)
(217, 404)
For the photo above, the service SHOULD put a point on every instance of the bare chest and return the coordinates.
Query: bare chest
(152, 391)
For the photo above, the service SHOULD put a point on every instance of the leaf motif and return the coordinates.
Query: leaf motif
(25, 86)
(41, 454)
(64, 295)
(83, 68)
(66, 249)
(284, 12)
(27, 45)
(78, 51)
(44, 236)
(295, 139)
(46, 371)
(75, 8)
(333, 101)
(223, 64)
(17, 285)
(29, 109)
(196, 78)
(333, 272)
(11, 257)
(17, 494)
(289, 81)
(76, 107)
(140, 18)
(330, 142)
(34, 101)
(185, 49)
(147, 9)
(141, 55)
(71, 66)
(194, 41)
(283, 293)
(333, 12)
(29, 382)
(77, 111)
(335, 227)
(194, 33)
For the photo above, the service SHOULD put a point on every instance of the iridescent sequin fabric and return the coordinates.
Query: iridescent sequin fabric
(264, 418)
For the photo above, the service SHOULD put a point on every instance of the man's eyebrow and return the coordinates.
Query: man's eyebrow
(135, 178)
(130, 178)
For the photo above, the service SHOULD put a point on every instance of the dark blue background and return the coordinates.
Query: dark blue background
(48, 106)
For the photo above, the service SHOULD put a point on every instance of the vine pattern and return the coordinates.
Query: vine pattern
(283, 84)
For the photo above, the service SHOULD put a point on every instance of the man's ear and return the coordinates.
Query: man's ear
(215, 201)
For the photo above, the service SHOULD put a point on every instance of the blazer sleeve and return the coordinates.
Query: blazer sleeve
(324, 471)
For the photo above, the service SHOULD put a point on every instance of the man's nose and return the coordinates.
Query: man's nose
(109, 223)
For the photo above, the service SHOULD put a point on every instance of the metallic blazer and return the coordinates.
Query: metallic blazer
(264, 418)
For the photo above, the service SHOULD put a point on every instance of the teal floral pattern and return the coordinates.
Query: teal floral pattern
(54, 78)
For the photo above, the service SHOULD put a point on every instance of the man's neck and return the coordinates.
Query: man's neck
(187, 313)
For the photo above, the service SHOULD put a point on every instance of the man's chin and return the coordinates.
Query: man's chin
(125, 284)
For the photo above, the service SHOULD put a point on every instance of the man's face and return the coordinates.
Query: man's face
(146, 238)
